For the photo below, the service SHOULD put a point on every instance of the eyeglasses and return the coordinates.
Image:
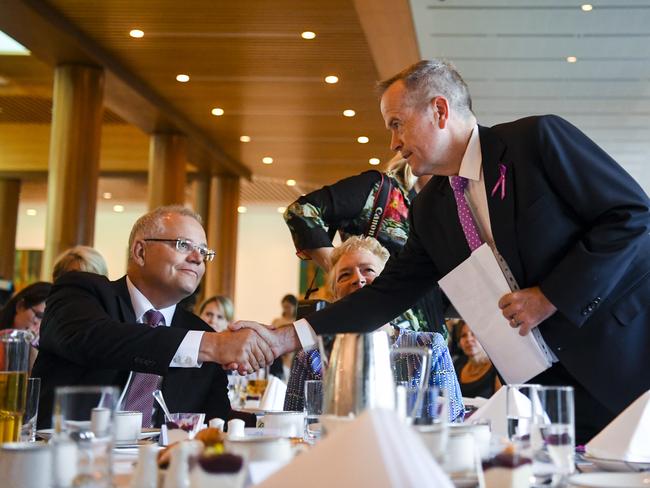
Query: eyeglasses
(186, 246)
(37, 313)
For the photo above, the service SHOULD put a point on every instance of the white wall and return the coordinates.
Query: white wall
(267, 266)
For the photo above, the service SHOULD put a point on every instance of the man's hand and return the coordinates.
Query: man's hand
(526, 308)
(281, 340)
(245, 348)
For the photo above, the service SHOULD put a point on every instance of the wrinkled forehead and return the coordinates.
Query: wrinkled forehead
(176, 226)
(358, 258)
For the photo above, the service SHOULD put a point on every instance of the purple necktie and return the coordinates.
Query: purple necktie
(458, 184)
(140, 395)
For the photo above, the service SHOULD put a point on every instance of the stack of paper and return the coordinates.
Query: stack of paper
(627, 437)
(475, 288)
(375, 450)
(273, 398)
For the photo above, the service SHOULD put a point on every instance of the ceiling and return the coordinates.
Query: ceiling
(512, 54)
(248, 58)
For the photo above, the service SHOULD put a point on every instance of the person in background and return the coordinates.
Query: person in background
(476, 374)
(79, 258)
(347, 206)
(217, 312)
(355, 264)
(289, 305)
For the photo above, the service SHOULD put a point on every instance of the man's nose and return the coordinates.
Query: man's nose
(395, 142)
(195, 256)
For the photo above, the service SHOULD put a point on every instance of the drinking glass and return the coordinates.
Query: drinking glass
(28, 429)
(14, 363)
(521, 401)
(554, 450)
(313, 407)
(83, 436)
(189, 422)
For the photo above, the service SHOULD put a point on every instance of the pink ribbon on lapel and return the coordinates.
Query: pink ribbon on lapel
(501, 182)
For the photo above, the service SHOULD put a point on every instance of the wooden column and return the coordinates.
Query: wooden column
(9, 195)
(202, 207)
(222, 236)
(167, 160)
(77, 112)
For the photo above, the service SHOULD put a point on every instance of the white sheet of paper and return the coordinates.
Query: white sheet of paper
(475, 287)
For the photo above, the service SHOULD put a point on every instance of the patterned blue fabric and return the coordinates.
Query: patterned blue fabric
(307, 366)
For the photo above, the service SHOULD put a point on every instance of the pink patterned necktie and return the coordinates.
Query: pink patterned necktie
(140, 394)
(458, 184)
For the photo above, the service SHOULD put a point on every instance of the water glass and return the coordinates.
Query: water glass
(553, 453)
(313, 407)
(28, 429)
(520, 400)
(188, 422)
(82, 440)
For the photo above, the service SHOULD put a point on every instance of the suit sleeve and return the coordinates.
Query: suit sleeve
(406, 278)
(612, 206)
(78, 328)
(311, 216)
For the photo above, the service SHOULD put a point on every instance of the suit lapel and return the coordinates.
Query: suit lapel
(123, 300)
(502, 212)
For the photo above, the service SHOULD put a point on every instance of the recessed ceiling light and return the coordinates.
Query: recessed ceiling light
(374, 161)
(587, 7)
(118, 208)
(31, 212)
(107, 195)
(267, 160)
(331, 79)
(363, 140)
(10, 47)
(217, 111)
(571, 59)
(182, 78)
(282, 209)
(349, 112)
(245, 138)
(137, 33)
(242, 209)
(308, 35)
(291, 182)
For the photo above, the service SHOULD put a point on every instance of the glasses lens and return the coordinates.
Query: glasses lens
(184, 246)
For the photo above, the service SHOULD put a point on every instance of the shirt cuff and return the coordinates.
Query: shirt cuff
(187, 354)
(306, 334)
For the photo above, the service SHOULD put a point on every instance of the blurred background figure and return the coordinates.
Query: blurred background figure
(289, 304)
(79, 258)
(355, 264)
(25, 311)
(217, 311)
(348, 206)
(476, 374)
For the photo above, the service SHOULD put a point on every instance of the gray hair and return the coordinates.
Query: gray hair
(399, 169)
(151, 223)
(428, 79)
(355, 243)
(79, 258)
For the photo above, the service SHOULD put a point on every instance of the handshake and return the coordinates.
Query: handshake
(247, 346)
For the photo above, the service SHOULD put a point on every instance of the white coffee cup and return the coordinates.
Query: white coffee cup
(260, 448)
(25, 465)
(286, 424)
(128, 426)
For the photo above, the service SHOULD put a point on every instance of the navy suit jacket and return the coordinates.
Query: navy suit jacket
(89, 337)
(572, 222)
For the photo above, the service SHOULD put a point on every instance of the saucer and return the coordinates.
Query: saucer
(610, 480)
(617, 465)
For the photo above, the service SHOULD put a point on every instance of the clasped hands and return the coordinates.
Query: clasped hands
(246, 346)
(526, 309)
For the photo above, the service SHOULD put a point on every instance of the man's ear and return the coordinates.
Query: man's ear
(138, 252)
(440, 107)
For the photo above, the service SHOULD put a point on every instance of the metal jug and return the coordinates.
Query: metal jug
(359, 375)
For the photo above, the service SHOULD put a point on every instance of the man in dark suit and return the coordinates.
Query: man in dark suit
(568, 225)
(129, 333)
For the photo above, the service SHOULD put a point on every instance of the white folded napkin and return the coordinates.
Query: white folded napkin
(273, 398)
(376, 449)
(494, 410)
(627, 437)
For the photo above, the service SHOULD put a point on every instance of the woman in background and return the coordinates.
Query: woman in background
(289, 305)
(476, 374)
(79, 258)
(217, 312)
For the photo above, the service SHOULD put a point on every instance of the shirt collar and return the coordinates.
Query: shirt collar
(470, 165)
(142, 305)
